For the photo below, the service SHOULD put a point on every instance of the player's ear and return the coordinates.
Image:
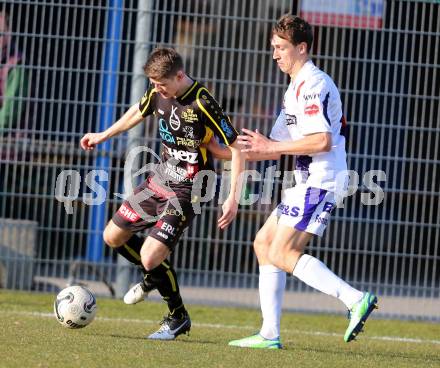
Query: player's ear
(180, 75)
(302, 48)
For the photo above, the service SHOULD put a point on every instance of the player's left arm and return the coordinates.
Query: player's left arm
(230, 206)
(219, 152)
(219, 122)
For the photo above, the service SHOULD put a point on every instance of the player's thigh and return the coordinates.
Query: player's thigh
(153, 253)
(115, 236)
(287, 247)
(166, 233)
(288, 239)
(264, 238)
(175, 218)
(138, 212)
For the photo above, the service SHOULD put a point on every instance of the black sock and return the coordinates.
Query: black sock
(131, 250)
(164, 278)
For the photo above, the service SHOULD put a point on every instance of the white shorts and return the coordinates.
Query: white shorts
(306, 209)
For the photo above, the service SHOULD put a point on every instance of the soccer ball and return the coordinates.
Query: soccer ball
(75, 307)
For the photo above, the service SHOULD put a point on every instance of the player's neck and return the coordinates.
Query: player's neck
(297, 66)
(186, 83)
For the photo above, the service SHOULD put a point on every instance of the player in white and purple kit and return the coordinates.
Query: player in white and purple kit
(310, 126)
(312, 105)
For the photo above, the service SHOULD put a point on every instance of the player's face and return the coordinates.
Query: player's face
(167, 87)
(286, 54)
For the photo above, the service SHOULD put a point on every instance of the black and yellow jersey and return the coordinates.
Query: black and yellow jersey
(185, 123)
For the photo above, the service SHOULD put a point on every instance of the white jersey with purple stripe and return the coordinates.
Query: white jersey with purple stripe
(312, 104)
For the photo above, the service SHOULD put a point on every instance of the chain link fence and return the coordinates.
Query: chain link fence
(78, 66)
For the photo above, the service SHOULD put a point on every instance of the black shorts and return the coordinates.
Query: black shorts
(168, 212)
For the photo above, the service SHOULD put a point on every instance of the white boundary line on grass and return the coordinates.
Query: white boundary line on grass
(212, 325)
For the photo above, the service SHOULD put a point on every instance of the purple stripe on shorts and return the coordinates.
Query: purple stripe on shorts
(313, 198)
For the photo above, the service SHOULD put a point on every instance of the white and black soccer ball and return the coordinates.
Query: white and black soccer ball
(75, 307)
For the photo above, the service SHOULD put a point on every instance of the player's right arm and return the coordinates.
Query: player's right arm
(131, 118)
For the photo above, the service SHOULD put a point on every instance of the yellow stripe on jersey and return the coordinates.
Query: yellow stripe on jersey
(206, 139)
(148, 100)
(208, 135)
(190, 90)
(208, 115)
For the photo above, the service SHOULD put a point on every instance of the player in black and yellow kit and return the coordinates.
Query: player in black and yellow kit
(188, 117)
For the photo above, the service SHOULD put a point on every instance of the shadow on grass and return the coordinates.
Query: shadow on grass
(178, 340)
(387, 355)
(187, 340)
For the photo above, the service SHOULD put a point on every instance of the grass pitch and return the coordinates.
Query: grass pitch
(31, 337)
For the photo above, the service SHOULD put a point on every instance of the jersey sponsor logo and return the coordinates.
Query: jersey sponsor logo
(170, 173)
(128, 213)
(165, 133)
(321, 220)
(193, 143)
(174, 119)
(179, 173)
(181, 155)
(328, 207)
(311, 96)
(192, 170)
(189, 116)
(290, 120)
(162, 235)
(175, 168)
(174, 212)
(287, 211)
(311, 110)
(226, 128)
(166, 227)
(189, 132)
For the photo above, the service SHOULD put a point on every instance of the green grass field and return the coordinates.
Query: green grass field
(31, 337)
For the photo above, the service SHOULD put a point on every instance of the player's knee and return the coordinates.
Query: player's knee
(276, 257)
(149, 262)
(149, 259)
(261, 245)
(110, 238)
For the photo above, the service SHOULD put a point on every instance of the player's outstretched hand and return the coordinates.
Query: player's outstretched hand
(230, 209)
(254, 142)
(90, 140)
